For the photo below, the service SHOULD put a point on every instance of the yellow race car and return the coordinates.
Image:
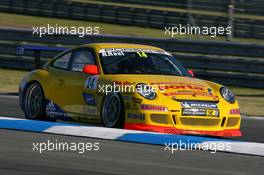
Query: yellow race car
(128, 86)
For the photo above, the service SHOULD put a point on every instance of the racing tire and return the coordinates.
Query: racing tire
(34, 103)
(112, 114)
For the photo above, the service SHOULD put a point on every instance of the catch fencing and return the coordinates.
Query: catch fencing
(233, 64)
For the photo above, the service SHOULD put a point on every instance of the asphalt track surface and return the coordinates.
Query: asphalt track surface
(114, 157)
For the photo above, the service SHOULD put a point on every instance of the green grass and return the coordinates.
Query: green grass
(251, 100)
(9, 80)
(26, 21)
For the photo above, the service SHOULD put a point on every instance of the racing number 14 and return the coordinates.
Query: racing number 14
(91, 82)
(142, 54)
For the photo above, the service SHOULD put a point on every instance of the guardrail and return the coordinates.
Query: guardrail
(242, 27)
(235, 64)
(253, 7)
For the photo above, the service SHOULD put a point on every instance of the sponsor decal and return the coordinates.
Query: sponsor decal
(198, 105)
(175, 83)
(192, 93)
(127, 105)
(89, 99)
(212, 113)
(180, 92)
(135, 106)
(200, 112)
(127, 98)
(122, 51)
(91, 82)
(90, 110)
(210, 91)
(234, 111)
(136, 116)
(53, 110)
(193, 112)
(113, 53)
(123, 83)
(153, 107)
(179, 86)
(136, 100)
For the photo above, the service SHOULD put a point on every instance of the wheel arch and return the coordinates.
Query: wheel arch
(123, 110)
(31, 82)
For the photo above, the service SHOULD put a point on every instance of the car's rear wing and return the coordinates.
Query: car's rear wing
(37, 51)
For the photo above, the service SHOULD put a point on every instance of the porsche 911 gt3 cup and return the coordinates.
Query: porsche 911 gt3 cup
(128, 86)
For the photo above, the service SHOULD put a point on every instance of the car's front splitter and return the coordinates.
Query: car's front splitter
(172, 130)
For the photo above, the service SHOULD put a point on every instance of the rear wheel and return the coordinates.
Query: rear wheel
(34, 102)
(113, 111)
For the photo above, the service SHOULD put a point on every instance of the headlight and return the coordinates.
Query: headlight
(146, 91)
(227, 94)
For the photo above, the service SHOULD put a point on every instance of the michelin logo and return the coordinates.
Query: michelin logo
(198, 105)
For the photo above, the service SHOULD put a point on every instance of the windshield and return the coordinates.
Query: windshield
(140, 61)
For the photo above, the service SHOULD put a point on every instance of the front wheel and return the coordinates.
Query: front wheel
(34, 102)
(113, 111)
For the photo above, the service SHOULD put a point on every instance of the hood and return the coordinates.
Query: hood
(175, 87)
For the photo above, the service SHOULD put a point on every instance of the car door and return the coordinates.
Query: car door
(58, 80)
(69, 84)
(82, 99)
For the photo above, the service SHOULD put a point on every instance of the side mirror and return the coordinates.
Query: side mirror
(191, 72)
(90, 69)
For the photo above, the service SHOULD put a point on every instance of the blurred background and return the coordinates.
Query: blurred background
(235, 60)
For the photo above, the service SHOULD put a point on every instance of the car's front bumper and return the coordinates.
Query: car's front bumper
(175, 123)
(173, 130)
